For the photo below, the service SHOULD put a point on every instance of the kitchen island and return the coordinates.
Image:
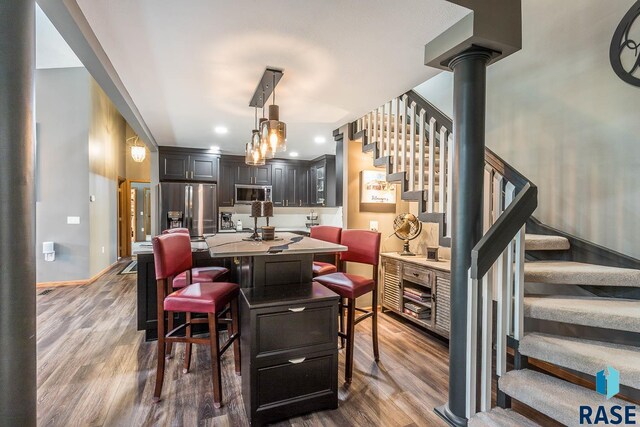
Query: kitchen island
(278, 262)
(286, 260)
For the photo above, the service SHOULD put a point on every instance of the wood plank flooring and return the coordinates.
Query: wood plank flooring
(95, 369)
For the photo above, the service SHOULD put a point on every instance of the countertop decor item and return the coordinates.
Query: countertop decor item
(406, 227)
(260, 210)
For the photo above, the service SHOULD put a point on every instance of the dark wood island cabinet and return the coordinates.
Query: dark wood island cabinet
(288, 337)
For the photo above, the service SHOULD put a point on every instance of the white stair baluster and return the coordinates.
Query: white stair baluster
(431, 182)
(486, 376)
(388, 152)
(396, 135)
(500, 289)
(509, 194)
(449, 168)
(442, 173)
(403, 155)
(412, 148)
(472, 346)
(518, 287)
(369, 129)
(422, 143)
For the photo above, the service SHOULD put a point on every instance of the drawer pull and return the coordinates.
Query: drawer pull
(297, 310)
(416, 274)
(296, 361)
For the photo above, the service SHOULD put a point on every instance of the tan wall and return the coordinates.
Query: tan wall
(358, 161)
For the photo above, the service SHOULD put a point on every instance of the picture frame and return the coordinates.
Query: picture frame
(376, 194)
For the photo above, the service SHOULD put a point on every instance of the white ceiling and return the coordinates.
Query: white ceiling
(192, 66)
(51, 49)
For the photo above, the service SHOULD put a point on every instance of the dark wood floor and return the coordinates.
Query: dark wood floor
(95, 369)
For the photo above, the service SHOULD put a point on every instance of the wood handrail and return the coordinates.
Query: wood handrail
(488, 249)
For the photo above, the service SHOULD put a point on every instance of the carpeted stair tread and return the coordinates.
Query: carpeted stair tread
(609, 313)
(499, 417)
(583, 355)
(553, 397)
(577, 273)
(542, 242)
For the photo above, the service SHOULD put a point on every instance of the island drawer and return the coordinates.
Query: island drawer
(286, 383)
(295, 327)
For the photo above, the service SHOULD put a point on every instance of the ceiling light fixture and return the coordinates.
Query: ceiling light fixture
(264, 145)
(138, 152)
(274, 132)
(221, 130)
(294, 154)
(319, 140)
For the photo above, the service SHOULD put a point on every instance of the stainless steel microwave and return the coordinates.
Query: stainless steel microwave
(245, 194)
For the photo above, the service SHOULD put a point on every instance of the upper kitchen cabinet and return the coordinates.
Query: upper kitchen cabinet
(290, 183)
(257, 175)
(177, 164)
(322, 176)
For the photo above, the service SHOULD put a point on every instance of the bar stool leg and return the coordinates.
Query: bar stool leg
(351, 317)
(235, 330)
(161, 355)
(170, 328)
(187, 348)
(341, 314)
(215, 360)
(374, 327)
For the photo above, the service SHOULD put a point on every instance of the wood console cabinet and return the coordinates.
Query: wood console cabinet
(288, 338)
(422, 284)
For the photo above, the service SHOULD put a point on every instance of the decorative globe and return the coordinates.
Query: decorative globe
(406, 226)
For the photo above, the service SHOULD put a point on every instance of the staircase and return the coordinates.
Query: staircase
(412, 140)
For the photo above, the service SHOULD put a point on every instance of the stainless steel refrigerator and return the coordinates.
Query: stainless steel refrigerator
(191, 206)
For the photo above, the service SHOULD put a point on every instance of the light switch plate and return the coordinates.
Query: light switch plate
(73, 220)
(373, 225)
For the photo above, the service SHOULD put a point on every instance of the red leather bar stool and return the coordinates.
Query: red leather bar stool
(326, 233)
(197, 274)
(172, 256)
(364, 248)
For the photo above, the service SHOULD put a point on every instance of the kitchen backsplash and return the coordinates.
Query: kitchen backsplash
(287, 217)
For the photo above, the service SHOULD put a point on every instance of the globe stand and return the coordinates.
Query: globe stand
(405, 249)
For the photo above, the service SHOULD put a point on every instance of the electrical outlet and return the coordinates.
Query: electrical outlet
(373, 225)
(73, 220)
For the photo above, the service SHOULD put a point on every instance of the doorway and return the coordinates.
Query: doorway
(139, 214)
(124, 245)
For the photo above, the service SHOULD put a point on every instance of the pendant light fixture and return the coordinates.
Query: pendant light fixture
(273, 132)
(266, 152)
(138, 153)
(253, 154)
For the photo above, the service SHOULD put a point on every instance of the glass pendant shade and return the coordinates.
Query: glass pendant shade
(253, 157)
(265, 152)
(138, 153)
(273, 132)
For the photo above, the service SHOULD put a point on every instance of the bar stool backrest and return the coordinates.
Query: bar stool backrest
(364, 246)
(176, 230)
(326, 233)
(171, 254)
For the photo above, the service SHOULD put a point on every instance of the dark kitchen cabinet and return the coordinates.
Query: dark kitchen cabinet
(187, 165)
(322, 174)
(295, 183)
(258, 175)
(226, 185)
(279, 180)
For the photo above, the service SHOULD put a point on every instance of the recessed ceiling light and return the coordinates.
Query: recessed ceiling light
(294, 154)
(214, 149)
(220, 130)
(319, 139)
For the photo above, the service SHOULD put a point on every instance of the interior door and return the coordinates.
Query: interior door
(203, 209)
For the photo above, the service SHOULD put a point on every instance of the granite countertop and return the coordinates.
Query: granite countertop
(196, 246)
(442, 265)
(232, 245)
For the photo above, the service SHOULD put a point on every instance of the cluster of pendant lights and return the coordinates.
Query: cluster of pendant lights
(269, 135)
